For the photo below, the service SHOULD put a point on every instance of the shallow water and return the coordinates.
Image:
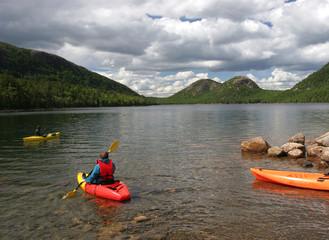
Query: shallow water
(182, 164)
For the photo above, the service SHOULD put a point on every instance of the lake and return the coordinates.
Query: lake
(182, 164)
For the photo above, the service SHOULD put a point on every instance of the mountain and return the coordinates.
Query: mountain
(198, 88)
(35, 79)
(236, 90)
(315, 88)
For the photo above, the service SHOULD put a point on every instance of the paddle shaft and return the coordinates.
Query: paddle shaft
(79, 185)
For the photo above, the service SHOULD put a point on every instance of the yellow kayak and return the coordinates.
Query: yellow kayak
(41, 138)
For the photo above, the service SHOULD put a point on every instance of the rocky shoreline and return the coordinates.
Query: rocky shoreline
(307, 153)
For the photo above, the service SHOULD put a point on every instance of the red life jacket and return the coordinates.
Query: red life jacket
(106, 170)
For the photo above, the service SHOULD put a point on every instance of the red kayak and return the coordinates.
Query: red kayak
(117, 191)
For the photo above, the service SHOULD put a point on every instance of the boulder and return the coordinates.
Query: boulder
(255, 145)
(314, 150)
(325, 154)
(296, 153)
(298, 138)
(275, 152)
(323, 140)
(289, 146)
(305, 163)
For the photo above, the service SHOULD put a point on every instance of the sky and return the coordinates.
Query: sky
(159, 47)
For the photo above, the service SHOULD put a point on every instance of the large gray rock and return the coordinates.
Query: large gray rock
(255, 145)
(323, 140)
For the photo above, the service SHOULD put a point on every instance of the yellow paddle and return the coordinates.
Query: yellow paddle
(71, 194)
(114, 146)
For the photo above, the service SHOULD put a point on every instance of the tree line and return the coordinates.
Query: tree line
(34, 92)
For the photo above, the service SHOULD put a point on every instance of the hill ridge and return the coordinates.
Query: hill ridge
(240, 89)
(32, 79)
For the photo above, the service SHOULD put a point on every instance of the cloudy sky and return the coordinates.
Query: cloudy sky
(158, 47)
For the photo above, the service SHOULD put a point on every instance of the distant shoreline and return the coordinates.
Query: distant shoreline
(26, 110)
(176, 104)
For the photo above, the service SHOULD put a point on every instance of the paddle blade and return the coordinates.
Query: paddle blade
(70, 194)
(114, 146)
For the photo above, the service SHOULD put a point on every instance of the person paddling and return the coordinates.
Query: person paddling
(100, 174)
(38, 131)
(103, 171)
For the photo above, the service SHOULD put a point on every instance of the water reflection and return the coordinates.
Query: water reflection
(277, 189)
(41, 143)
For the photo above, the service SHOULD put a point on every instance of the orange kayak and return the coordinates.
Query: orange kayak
(317, 181)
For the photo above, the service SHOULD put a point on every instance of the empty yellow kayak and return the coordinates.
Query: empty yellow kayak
(317, 181)
(41, 138)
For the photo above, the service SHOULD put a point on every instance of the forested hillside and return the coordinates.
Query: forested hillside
(236, 90)
(315, 88)
(32, 79)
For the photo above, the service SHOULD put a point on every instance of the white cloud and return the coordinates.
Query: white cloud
(156, 85)
(228, 36)
(279, 79)
(319, 52)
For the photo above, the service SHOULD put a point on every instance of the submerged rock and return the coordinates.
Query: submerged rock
(141, 218)
(112, 230)
(323, 164)
(305, 163)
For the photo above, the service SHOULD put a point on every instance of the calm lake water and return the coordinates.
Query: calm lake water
(182, 164)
